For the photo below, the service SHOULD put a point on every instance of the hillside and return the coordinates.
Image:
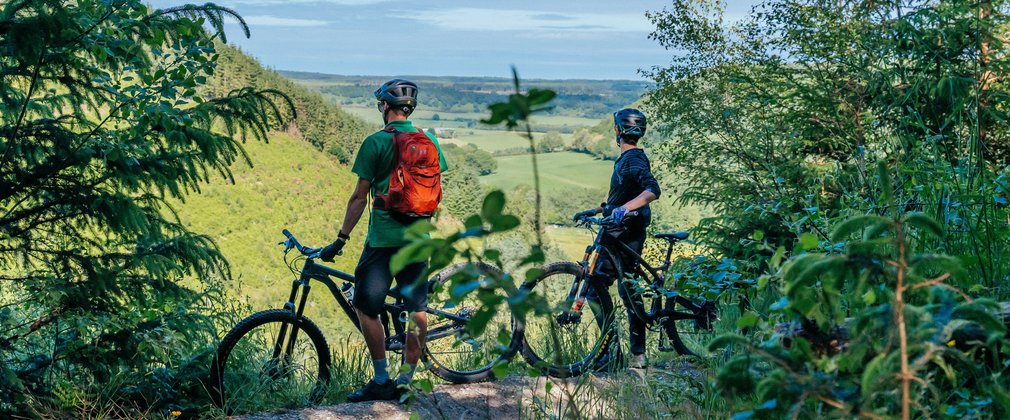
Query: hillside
(297, 181)
(290, 185)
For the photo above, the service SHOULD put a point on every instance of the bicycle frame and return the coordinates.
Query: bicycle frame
(577, 293)
(301, 287)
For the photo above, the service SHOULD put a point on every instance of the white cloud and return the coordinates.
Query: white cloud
(267, 20)
(476, 19)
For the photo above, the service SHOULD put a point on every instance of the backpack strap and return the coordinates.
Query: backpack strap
(381, 201)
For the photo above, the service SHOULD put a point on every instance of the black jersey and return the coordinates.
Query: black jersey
(632, 175)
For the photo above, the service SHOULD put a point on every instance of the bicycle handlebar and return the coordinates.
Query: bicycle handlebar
(586, 221)
(292, 242)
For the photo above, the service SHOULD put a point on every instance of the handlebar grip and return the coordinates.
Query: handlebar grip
(286, 233)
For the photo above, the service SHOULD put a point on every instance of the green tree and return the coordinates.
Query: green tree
(775, 118)
(102, 120)
(550, 142)
(470, 156)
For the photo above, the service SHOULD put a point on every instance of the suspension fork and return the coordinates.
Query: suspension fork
(285, 341)
(577, 293)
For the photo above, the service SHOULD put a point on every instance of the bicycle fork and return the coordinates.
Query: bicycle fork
(286, 342)
(578, 292)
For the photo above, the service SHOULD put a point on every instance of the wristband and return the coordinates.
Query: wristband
(343, 236)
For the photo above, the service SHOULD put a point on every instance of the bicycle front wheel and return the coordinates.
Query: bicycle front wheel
(563, 343)
(270, 360)
(452, 352)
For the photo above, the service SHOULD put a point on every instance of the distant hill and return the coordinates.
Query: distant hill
(576, 97)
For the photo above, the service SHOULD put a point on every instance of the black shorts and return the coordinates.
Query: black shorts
(634, 238)
(373, 279)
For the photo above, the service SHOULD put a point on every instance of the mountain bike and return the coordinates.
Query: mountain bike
(281, 356)
(569, 344)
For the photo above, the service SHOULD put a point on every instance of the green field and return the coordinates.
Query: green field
(572, 241)
(557, 171)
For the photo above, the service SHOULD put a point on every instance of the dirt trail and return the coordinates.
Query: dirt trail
(502, 399)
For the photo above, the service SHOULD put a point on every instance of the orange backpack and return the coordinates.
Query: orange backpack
(415, 183)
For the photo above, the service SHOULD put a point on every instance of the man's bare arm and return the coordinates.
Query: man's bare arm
(355, 206)
(644, 198)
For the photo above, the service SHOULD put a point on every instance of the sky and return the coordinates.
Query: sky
(574, 39)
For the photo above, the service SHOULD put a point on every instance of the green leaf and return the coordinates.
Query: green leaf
(473, 221)
(797, 265)
(747, 320)
(924, 222)
(872, 375)
(870, 297)
(504, 223)
(886, 189)
(776, 260)
(419, 230)
(494, 203)
(981, 311)
(852, 225)
(501, 369)
(758, 235)
(413, 252)
(535, 256)
(425, 385)
(540, 96)
(478, 322)
(808, 241)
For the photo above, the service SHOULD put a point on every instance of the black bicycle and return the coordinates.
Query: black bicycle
(574, 338)
(279, 356)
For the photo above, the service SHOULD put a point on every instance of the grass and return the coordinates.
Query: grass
(557, 171)
(572, 241)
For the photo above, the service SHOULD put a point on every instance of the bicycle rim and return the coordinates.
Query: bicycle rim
(250, 374)
(559, 344)
(692, 336)
(452, 352)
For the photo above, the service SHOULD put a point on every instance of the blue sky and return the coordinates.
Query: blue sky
(589, 39)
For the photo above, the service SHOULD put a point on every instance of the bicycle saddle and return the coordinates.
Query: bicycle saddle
(673, 236)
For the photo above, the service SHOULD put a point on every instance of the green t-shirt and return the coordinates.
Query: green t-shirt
(374, 164)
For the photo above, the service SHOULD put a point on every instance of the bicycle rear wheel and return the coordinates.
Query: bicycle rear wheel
(563, 344)
(451, 352)
(257, 366)
(696, 324)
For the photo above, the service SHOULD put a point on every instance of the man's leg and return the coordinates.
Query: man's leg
(373, 278)
(375, 340)
(636, 327)
(414, 289)
(635, 239)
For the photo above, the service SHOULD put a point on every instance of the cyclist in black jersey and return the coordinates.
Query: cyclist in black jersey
(632, 188)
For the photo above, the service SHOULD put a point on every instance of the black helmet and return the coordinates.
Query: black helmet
(630, 124)
(398, 93)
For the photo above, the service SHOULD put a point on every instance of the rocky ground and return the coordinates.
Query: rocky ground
(509, 398)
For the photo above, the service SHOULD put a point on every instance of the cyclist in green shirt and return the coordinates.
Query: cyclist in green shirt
(373, 164)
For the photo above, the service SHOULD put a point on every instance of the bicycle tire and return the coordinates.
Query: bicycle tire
(690, 337)
(222, 374)
(578, 357)
(477, 366)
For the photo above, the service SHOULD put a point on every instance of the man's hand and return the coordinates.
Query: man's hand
(332, 250)
(583, 214)
(618, 214)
